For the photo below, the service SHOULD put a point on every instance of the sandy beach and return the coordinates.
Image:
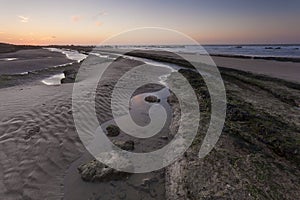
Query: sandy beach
(150, 100)
(256, 157)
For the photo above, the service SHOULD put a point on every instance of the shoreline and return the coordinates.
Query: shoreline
(275, 58)
(288, 71)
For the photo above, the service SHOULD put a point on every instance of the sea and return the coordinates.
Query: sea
(282, 51)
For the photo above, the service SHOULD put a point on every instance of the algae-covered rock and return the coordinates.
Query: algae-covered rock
(127, 145)
(152, 99)
(96, 171)
(112, 131)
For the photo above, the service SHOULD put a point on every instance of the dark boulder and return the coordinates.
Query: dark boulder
(96, 171)
(70, 76)
(127, 145)
(152, 99)
(112, 131)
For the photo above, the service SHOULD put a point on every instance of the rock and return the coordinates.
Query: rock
(67, 80)
(112, 131)
(152, 99)
(96, 171)
(127, 145)
(70, 75)
(172, 99)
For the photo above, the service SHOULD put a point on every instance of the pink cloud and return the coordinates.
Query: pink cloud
(98, 24)
(23, 19)
(76, 18)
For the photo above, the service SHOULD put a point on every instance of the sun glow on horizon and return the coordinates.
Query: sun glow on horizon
(92, 22)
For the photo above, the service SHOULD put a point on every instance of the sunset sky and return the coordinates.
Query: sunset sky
(92, 21)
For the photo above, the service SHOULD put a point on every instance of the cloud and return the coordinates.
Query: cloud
(76, 18)
(102, 13)
(23, 19)
(1, 32)
(48, 38)
(99, 14)
(98, 24)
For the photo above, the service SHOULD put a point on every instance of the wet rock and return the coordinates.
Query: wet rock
(112, 131)
(70, 75)
(152, 99)
(172, 99)
(67, 80)
(127, 145)
(96, 171)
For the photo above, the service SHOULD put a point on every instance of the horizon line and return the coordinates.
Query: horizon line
(213, 44)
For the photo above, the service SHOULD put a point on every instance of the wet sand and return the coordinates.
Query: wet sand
(23, 61)
(39, 144)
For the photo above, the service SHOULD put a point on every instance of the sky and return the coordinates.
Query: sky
(91, 22)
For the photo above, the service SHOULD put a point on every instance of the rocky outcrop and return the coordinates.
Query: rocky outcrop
(127, 145)
(152, 99)
(70, 76)
(112, 131)
(96, 171)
